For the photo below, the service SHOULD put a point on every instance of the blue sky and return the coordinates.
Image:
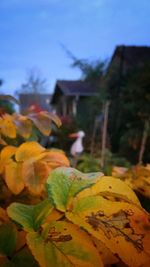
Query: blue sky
(31, 32)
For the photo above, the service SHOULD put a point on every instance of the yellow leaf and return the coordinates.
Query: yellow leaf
(124, 228)
(13, 177)
(111, 188)
(7, 126)
(7, 152)
(28, 150)
(35, 175)
(5, 156)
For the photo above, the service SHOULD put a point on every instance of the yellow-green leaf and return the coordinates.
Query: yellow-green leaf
(64, 183)
(31, 217)
(62, 244)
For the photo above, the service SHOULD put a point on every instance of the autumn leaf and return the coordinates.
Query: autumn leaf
(111, 188)
(35, 175)
(7, 126)
(14, 177)
(54, 216)
(28, 150)
(107, 256)
(23, 125)
(5, 156)
(124, 228)
(63, 244)
(42, 121)
(55, 158)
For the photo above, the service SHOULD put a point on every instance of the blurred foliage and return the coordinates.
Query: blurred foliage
(138, 178)
(129, 110)
(88, 163)
(6, 107)
(92, 163)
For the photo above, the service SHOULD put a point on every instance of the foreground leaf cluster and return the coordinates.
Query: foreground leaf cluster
(87, 220)
(28, 166)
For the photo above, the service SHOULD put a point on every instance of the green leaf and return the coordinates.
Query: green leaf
(8, 238)
(64, 183)
(31, 217)
(62, 244)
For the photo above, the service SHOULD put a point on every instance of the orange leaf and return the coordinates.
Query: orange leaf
(23, 125)
(42, 122)
(55, 158)
(7, 126)
(13, 177)
(35, 175)
(5, 156)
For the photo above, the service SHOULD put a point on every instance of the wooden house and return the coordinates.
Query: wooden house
(70, 97)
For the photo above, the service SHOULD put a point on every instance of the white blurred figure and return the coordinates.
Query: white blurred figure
(77, 147)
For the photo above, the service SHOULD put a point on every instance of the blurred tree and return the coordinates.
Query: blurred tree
(34, 83)
(136, 110)
(92, 72)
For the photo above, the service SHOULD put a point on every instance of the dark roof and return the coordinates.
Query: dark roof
(41, 100)
(131, 56)
(73, 88)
